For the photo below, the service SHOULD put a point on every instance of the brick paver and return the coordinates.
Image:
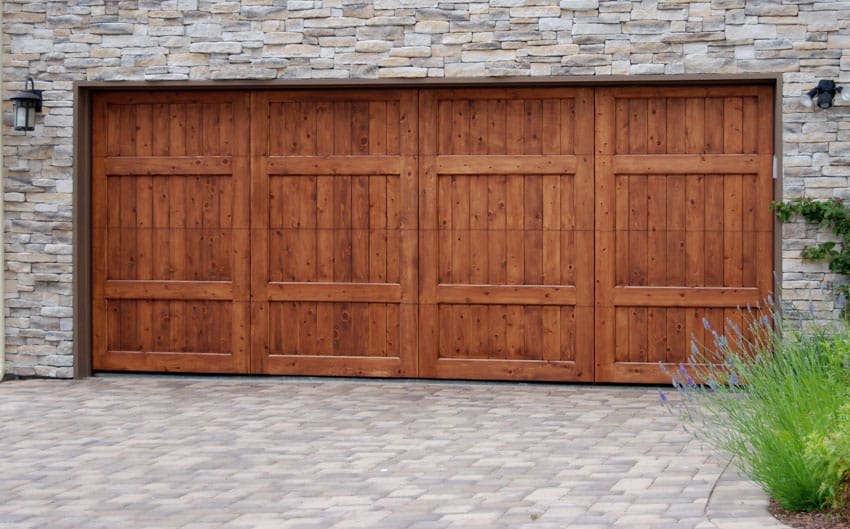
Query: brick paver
(206, 453)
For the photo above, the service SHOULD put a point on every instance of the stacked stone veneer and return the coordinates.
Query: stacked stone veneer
(60, 42)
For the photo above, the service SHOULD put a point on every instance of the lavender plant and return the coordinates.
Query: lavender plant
(761, 394)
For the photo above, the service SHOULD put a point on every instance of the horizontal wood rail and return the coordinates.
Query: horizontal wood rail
(685, 296)
(206, 290)
(334, 292)
(512, 164)
(169, 165)
(686, 163)
(506, 295)
(348, 165)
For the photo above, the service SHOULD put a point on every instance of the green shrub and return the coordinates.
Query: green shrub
(829, 454)
(765, 396)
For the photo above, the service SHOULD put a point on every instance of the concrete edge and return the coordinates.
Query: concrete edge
(736, 502)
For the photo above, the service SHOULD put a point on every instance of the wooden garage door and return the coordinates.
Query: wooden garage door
(488, 233)
(507, 234)
(170, 232)
(683, 185)
(333, 233)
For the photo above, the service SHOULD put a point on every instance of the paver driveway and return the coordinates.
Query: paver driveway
(193, 453)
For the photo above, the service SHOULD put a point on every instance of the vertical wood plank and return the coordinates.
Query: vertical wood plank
(378, 127)
(657, 334)
(515, 332)
(533, 227)
(360, 229)
(714, 230)
(695, 226)
(497, 326)
(460, 250)
(551, 251)
(657, 229)
(360, 127)
(478, 236)
(342, 229)
(695, 115)
(638, 210)
(678, 342)
(675, 137)
(676, 226)
(638, 339)
(378, 329)
(533, 333)
(378, 229)
(733, 265)
(714, 126)
(496, 234)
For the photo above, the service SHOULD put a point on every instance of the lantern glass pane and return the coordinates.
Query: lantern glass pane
(25, 111)
(20, 116)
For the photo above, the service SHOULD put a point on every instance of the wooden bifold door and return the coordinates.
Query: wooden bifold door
(484, 233)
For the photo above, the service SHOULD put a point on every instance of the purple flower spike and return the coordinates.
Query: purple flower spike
(733, 380)
(662, 395)
(706, 324)
(694, 348)
(691, 381)
(765, 320)
(770, 300)
(682, 370)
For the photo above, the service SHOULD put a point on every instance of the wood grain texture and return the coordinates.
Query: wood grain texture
(481, 233)
(506, 188)
(334, 247)
(170, 251)
(691, 190)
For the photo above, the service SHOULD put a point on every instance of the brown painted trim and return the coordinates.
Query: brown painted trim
(611, 80)
(779, 153)
(82, 233)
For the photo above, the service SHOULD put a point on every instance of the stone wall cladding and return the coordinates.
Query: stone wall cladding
(60, 42)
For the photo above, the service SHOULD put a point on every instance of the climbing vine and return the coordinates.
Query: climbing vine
(829, 214)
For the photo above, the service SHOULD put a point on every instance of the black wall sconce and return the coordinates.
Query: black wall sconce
(27, 105)
(824, 94)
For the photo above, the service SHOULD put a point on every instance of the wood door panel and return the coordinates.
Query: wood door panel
(334, 329)
(170, 231)
(683, 185)
(505, 181)
(334, 279)
(478, 233)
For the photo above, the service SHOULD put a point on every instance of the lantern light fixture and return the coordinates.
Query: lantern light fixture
(27, 104)
(824, 94)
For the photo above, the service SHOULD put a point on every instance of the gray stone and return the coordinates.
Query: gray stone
(216, 47)
(177, 40)
(579, 5)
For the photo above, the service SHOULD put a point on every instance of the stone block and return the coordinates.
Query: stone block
(535, 12)
(579, 5)
(403, 72)
(582, 28)
(280, 37)
(432, 26)
(373, 46)
(216, 47)
(488, 56)
(555, 24)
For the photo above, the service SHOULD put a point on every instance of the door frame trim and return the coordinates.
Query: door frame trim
(81, 171)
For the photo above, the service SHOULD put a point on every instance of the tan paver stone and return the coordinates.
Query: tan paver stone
(215, 453)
